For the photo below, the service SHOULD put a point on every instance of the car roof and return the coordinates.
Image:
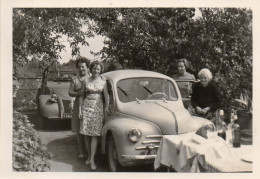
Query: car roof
(123, 74)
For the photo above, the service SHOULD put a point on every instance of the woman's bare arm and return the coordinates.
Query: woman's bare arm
(81, 97)
(72, 93)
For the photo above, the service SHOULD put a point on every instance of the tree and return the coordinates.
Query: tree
(37, 32)
(153, 38)
(144, 38)
(229, 42)
(147, 38)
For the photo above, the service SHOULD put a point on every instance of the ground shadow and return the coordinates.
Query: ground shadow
(65, 152)
(65, 149)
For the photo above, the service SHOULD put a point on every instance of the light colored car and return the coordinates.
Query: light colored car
(144, 106)
(52, 98)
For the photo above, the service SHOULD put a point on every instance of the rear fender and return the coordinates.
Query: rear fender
(50, 109)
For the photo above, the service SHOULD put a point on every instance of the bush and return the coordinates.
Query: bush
(27, 105)
(29, 153)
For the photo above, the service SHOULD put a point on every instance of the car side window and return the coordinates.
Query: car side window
(172, 92)
(110, 93)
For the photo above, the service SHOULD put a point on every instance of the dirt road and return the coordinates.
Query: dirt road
(61, 142)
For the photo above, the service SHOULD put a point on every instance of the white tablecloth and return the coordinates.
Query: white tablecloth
(192, 153)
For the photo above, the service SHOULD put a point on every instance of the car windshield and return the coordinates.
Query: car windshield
(135, 89)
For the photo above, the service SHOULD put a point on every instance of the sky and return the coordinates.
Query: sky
(95, 45)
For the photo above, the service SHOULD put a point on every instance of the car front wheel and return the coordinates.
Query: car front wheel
(113, 163)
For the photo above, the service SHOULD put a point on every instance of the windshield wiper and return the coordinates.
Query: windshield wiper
(164, 100)
(123, 91)
(137, 100)
(148, 90)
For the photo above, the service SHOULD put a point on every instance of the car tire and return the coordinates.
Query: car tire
(37, 99)
(42, 122)
(112, 158)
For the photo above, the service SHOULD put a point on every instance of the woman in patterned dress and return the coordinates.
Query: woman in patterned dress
(91, 110)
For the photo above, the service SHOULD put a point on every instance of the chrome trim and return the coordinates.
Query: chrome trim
(150, 141)
(153, 136)
(145, 147)
(138, 157)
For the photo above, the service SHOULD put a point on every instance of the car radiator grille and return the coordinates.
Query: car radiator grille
(151, 143)
(66, 105)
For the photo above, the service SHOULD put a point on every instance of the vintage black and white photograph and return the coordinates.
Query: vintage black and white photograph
(134, 90)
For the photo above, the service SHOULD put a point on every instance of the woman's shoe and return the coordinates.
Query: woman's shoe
(87, 162)
(93, 166)
(81, 156)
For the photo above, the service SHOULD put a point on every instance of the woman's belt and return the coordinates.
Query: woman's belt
(94, 96)
(93, 92)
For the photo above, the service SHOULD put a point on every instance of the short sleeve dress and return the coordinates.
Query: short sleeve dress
(92, 108)
(75, 121)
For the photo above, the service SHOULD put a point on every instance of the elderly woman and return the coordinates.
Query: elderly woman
(205, 98)
(91, 110)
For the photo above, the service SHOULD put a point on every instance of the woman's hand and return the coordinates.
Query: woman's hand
(199, 110)
(80, 114)
(205, 110)
(81, 93)
(107, 110)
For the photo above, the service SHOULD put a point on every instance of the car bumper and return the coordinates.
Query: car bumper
(58, 118)
(138, 157)
(130, 160)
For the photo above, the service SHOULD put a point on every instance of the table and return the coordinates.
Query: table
(192, 153)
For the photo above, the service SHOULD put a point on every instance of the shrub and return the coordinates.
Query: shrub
(29, 153)
(27, 105)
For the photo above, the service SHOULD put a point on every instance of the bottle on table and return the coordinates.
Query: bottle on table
(236, 138)
(224, 129)
(229, 128)
(221, 125)
(219, 119)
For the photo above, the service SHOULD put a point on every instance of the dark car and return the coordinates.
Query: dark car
(53, 100)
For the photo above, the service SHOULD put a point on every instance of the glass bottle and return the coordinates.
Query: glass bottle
(236, 138)
(224, 128)
(221, 125)
(219, 120)
(222, 131)
(229, 128)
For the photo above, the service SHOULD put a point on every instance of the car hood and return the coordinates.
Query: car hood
(171, 117)
(61, 89)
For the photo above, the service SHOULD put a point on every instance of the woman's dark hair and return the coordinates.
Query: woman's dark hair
(82, 60)
(185, 62)
(95, 63)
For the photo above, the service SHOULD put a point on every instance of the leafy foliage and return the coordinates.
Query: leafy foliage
(27, 105)
(37, 32)
(153, 39)
(147, 38)
(29, 153)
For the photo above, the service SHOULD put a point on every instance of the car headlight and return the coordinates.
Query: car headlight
(54, 98)
(134, 135)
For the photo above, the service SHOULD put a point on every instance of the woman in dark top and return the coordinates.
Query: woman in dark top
(205, 98)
